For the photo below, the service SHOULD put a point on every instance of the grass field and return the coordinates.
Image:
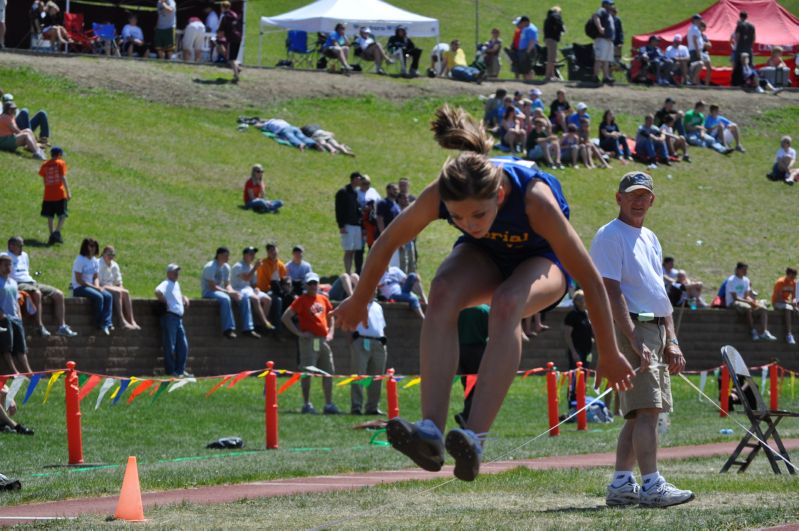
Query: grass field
(163, 183)
(638, 16)
(169, 439)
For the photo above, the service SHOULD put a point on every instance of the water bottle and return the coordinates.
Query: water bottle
(726, 431)
(693, 303)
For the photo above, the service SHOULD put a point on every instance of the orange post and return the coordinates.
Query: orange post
(725, 392)
(74, 435)
(582, 416)
(270, 407)
(774, 389)
(552, 399)
(391, 395)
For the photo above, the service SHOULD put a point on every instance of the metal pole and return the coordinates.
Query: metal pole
(476, 23)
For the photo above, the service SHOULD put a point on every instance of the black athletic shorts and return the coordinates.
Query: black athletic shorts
(13, 340)
(51, 209)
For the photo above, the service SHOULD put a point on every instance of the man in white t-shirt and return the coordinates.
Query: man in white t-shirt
(396, 285)
(696, 51)
(176, 345)
(740, 297)
(783, 169)
(680, 57)
(243, 279)
(629, 258)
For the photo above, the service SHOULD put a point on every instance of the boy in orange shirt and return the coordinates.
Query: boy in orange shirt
(56, 192)
(783, 298)
(315, 331)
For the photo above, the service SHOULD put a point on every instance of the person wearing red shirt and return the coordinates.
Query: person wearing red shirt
(314, 328)
(56, 193)
(254, 193)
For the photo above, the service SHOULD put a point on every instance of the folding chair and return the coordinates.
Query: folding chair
(106, 35)
(297, 50)
(756, 410)
(73, 23)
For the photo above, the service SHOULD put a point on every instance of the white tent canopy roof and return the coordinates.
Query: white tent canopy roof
(382, 18)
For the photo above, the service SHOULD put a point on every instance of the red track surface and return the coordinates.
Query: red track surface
(284, 487)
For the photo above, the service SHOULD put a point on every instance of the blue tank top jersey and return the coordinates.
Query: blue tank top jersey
(511, 233)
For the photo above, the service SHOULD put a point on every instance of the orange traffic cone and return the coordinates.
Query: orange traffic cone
(129, 506)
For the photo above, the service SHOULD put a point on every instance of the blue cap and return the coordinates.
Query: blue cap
(55, 150)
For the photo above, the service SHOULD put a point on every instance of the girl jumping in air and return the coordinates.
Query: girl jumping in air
(516, 233)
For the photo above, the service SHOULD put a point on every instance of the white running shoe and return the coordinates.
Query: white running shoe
(664, 494)
(627, 494)
(790, 340)
(768, 336)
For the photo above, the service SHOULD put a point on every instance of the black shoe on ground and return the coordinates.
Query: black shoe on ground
(374, 412)
(7, 483)
(355, 412)
(230, 334)
(57, 237)
(22, 430)
(609, 81)
(421, 442)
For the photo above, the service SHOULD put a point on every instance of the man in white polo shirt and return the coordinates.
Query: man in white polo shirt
(629, 258)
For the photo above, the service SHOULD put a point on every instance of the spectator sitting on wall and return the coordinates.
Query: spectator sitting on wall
(110, 278)
(243, 277)
(175, 342)
(783, 169)
(674, 141)
(12, 340)
(343, 286)
(783, 298)
(689, 289)
(85, 283)
(456, 67)
(11, 136)
(272, 277)
(20, 272)
(314, 329)
(7, 424)
(215, 284)
(325, 140)
(399, 45)
(396, 285)
(741, 298)
(298, 269)
(133, 38)
(254, 193)
(371, 50)
(38, 121)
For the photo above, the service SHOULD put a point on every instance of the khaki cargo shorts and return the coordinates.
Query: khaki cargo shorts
(315, 351)
(652, 389)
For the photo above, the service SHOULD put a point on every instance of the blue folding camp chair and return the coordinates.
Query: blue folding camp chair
(106, 35)
(297, 50)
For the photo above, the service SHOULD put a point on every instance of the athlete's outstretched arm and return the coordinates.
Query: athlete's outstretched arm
(547, 220)
(403, 229)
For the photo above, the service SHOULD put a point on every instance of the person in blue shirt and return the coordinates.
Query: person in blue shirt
(526, 50)
(717, 126)
(133, 38)
(337, 47)
(514, 252)
(577, 117)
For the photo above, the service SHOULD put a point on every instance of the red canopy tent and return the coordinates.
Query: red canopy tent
(774, 26)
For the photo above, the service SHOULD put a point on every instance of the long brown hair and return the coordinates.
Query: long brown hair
(470, 175)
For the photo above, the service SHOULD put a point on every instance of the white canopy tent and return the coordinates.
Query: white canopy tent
(323, 15)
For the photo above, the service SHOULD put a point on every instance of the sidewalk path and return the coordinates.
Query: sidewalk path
(285, 487)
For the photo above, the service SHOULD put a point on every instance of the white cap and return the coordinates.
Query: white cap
(172, 267)
(8, 97)
(365, 29)
(311, 277)
(536, 92)
(677, 37)
(581, 106)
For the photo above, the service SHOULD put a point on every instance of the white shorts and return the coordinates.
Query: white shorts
(193, 38)
(603, 50)
(250, 292)
(352, 238)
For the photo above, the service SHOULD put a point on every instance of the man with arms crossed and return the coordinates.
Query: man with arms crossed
(629, 258)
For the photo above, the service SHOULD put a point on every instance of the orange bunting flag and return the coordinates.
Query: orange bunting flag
(142, 387)
(291, 381)
(532, 371)
(471, 380)
(217, 386)
(90, 384)
(239, 377)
